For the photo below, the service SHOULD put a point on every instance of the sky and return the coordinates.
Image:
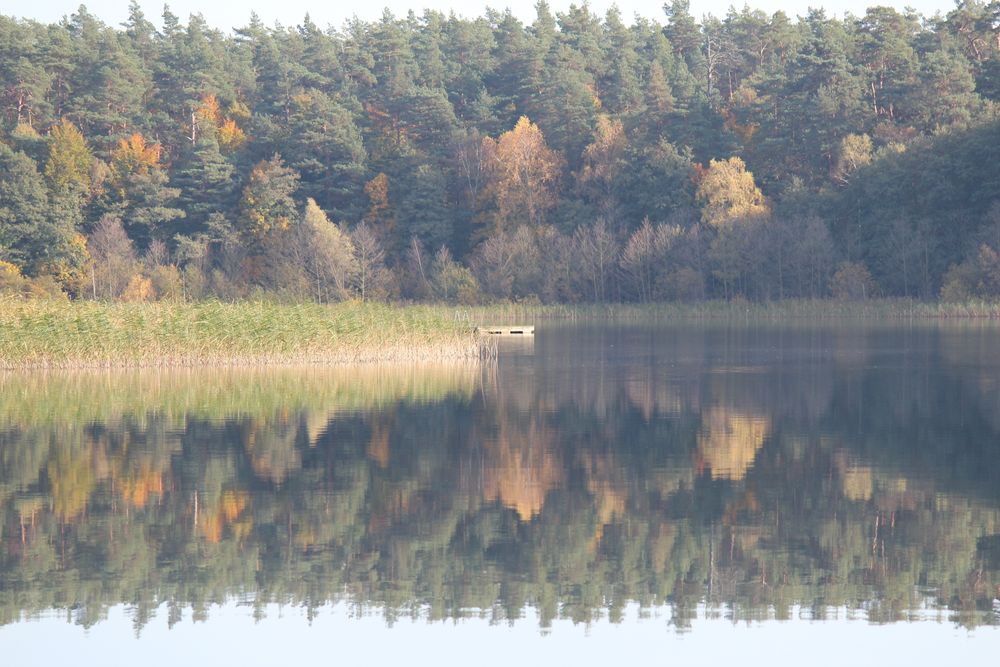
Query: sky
(228, 15)
(338, 636)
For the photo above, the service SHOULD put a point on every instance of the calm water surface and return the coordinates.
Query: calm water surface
(601, 485)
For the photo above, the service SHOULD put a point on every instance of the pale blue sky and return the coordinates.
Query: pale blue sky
(227, 15)
(339, 637)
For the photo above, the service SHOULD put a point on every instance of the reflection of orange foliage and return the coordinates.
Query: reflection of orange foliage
(610, 495)
(521, 469)
(136, 488)
(211, 528)
(378, 446)
(729, 440)
(857, 483)
(230, 506)
(72, 479)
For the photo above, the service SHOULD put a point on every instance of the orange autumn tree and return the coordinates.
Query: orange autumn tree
(134, 156)
(207, 118)
(522, 174)
(379, 215)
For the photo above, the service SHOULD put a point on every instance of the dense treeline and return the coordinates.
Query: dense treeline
(436, 157)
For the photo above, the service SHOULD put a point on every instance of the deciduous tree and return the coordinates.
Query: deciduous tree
(523, 175)
(728, 194)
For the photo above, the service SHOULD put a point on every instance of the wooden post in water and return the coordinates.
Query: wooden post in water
(509, 330)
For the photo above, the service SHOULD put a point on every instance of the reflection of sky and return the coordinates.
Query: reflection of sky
(337, 636)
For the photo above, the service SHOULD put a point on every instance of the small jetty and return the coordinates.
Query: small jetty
(509, 330)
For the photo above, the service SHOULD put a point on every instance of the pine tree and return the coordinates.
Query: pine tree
(24, 208)
(326, 148)
(206, 181)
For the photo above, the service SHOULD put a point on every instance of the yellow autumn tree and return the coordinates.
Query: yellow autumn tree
(855, 152)
(523, 173)
(68, 166)
(139, 289)
(231, 137)
(10, 277)
(728, 193)
(70, 268)
(238, 110)
(603, 161)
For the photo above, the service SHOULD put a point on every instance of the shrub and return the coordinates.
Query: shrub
(453, 282)
(10, 277)
(168, 285)
(852, 282)
(139, 289)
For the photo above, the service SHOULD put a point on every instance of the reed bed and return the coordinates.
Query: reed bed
(51, 334)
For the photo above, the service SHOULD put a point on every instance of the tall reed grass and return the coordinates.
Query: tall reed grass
(38, 333)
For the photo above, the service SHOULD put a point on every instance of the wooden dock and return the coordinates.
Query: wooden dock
(509, 330)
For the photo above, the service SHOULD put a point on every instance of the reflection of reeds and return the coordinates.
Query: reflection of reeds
(88, 395)
(35, 334)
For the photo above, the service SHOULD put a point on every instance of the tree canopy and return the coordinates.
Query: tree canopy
(877, 133)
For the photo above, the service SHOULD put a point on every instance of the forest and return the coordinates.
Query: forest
(434, 157)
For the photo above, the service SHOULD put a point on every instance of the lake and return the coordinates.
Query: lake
(700, 491)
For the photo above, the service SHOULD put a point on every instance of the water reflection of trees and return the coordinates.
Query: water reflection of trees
(730, 478)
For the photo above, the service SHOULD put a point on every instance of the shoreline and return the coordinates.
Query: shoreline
(827, 310)
(44, 334)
